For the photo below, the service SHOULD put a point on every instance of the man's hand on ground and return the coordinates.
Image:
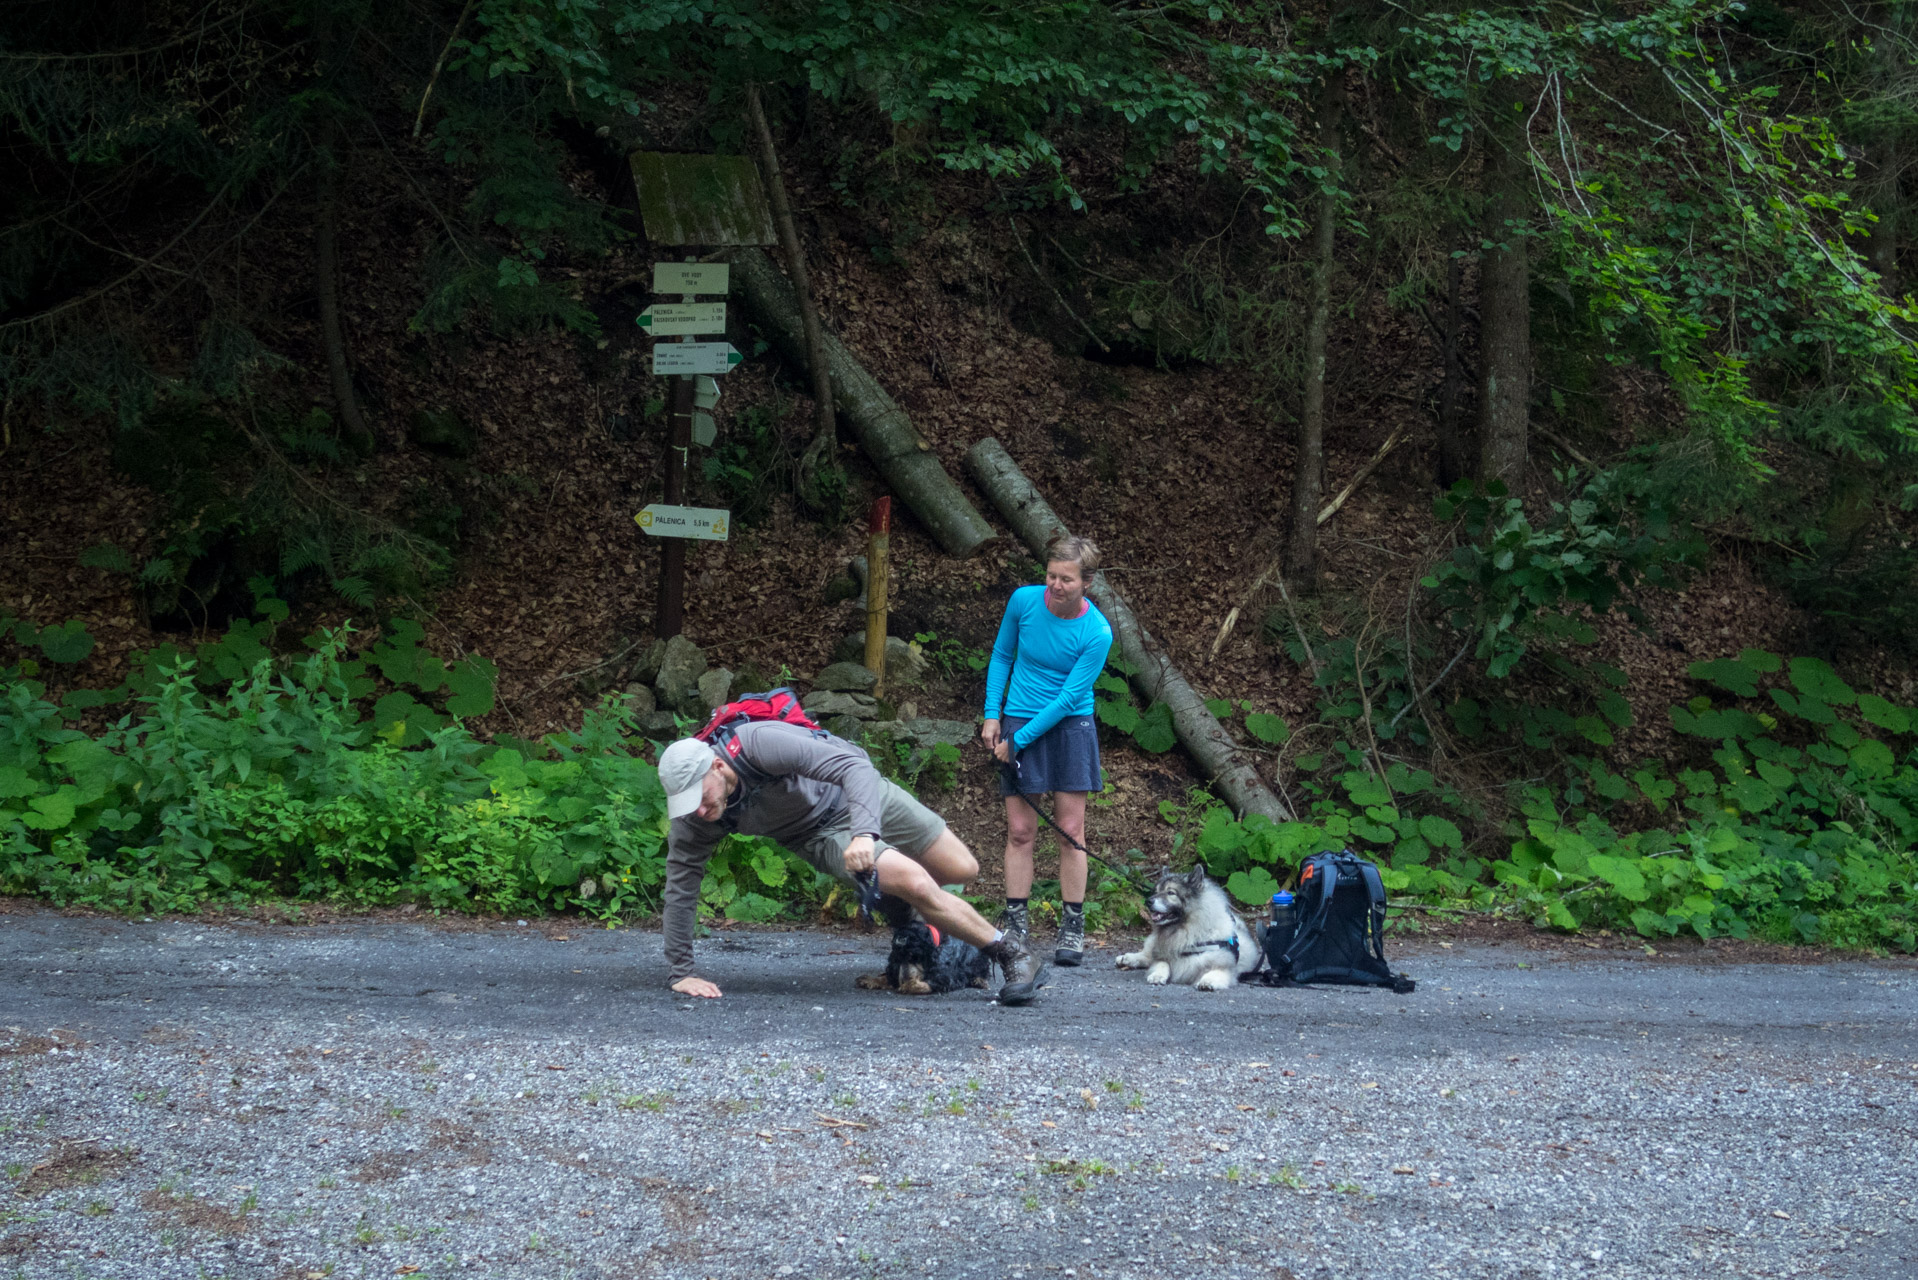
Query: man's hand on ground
(859, 854)
(697, 987)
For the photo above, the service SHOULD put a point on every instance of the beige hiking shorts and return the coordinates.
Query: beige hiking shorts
(904, 824)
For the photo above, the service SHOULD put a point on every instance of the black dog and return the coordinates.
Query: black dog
(924, 961)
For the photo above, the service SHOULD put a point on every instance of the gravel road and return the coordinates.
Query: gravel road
(179, 1099)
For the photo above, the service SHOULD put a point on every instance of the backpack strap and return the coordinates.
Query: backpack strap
(1375, 918)
(1217, 944)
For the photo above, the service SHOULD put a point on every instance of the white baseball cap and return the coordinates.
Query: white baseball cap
(682, 772)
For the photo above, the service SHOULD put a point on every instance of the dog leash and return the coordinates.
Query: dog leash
(868, 882)
(1011, 773)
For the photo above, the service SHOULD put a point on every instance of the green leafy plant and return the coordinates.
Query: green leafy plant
(1113, 704)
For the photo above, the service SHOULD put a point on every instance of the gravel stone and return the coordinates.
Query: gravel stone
(181, 1099)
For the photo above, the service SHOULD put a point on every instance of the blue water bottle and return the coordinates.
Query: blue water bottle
(1278, 936)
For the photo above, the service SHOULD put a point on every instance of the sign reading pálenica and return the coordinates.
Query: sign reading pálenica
(670, 319)
(662, 521)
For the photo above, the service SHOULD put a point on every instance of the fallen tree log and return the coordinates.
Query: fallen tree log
(885, 432)
(1034, 520)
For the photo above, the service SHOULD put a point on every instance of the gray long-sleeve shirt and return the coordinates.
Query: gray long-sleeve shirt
(793, 786)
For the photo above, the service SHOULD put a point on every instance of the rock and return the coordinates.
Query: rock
(444, 432)
(847, 727)
(857, 567)
(640, 698)
(645, 668)
(905, 665)
(680, 667)
(661, 726)
(821, 703)
(844, 587)
(926, 733)
(850, 649)
(846, 677)
(715, 688)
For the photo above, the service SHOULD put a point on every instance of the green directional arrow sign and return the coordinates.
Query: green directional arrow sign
(695, 357)
(671, 319)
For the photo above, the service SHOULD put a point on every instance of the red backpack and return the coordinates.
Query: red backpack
(780, 705)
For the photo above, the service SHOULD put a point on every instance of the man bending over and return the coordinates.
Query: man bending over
(820, 797)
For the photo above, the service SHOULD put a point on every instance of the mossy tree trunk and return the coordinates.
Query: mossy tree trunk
(1308, 471)
(1505, 312)
(820, 452)
(326, 252)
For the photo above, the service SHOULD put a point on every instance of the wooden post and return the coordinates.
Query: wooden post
(669, 616)
(878, 574)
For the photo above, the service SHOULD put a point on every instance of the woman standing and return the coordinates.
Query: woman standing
(1052, 645)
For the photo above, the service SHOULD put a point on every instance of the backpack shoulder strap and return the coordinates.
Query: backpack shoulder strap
(1375, 918)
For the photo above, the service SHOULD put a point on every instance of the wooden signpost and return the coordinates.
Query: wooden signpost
(688, 360)
(687, 200)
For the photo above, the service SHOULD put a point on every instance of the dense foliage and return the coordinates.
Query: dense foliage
(277, 780)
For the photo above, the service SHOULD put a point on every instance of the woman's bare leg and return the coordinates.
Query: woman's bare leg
(1022, 830)
(1069, 811)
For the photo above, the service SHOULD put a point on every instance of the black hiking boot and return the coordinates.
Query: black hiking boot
(1016, 920)
(1072, 937)
(1024, 972)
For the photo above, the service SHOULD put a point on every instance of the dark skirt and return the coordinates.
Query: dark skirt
(1063, 758)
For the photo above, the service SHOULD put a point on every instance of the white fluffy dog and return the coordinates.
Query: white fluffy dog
(1197, 938)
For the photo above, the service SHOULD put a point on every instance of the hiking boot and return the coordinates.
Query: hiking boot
(1072, 938)
(1023, 971)
(1017, 920)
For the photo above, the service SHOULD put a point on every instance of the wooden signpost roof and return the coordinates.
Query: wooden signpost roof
(712, 201)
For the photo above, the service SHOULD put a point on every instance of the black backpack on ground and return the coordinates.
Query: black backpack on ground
(1339, 930)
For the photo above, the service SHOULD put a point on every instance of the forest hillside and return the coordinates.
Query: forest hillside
(1502, 419)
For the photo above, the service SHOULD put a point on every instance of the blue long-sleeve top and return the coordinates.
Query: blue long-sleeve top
(1043, 665)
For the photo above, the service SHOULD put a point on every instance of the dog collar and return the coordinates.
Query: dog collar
(1217, 944)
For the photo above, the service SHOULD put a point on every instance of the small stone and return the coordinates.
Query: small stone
(645, 668)
(847, 727)
(846, 677)
(844, 587)
(905, 663)
(715, 688)
(679, 672)
(659, 725)
(927, 733)
(469, 1189)
(821, 703)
